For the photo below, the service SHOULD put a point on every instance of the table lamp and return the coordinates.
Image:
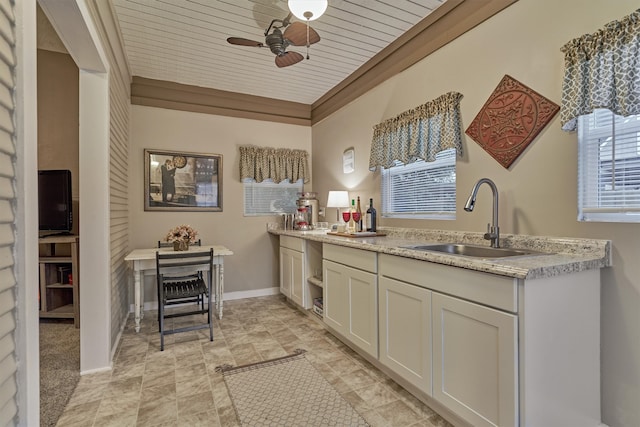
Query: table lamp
(338, 199)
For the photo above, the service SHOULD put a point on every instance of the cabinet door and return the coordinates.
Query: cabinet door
(298, 284)
(405, 331)
(363, 309)
(285, 271)
(475, 361)
(336, 297)
(351, 304)
(292, 277)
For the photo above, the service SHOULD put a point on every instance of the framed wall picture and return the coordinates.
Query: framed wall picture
(180, 181)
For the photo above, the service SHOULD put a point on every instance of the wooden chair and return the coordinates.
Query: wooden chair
(181, 280)
(162, 244)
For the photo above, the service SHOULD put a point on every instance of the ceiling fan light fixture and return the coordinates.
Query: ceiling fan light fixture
(307, 10)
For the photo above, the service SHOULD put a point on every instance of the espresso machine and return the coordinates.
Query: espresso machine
(309, 201)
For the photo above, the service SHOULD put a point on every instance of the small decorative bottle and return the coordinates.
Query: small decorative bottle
(371, 217)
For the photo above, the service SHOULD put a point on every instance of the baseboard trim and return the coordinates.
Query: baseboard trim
(228, 296)
(96, 371)
(251, 294)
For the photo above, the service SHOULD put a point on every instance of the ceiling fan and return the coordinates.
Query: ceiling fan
(295, 34)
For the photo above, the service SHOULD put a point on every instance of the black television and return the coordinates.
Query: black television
(55, 204)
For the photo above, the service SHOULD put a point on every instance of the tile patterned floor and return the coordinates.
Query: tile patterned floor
(179, 386)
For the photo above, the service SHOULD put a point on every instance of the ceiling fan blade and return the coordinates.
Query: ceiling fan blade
(288, 58)
(244, 42)
(296, 33)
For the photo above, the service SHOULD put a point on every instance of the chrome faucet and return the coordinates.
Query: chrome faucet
(493, 231)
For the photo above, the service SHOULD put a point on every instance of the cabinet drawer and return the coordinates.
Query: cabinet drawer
(485, 288)
(294, 243)
(356, 258)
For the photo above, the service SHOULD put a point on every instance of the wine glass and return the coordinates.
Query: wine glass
(346, 215)
(356, 218)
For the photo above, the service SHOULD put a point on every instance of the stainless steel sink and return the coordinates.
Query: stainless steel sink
(474, 251)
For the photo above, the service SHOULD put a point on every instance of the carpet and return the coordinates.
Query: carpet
(287, 391)
(59, 367)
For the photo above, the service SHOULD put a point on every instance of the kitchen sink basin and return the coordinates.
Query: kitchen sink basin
(473, 250)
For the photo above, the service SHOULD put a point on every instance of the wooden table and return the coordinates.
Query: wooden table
(144, 263)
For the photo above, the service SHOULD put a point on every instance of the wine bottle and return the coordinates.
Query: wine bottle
(352, 223)
(371, 217)
(358, 217)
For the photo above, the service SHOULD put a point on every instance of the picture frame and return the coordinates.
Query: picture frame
(182, 181)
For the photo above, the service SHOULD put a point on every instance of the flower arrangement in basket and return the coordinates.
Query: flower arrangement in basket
(181, 236)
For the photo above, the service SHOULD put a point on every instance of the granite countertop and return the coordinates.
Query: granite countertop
(560, 255)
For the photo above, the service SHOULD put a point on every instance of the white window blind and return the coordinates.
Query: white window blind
(269, 198)
(424, 190)
(608, 167)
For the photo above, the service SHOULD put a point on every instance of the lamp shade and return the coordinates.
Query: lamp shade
(307, 9)
(338, 199)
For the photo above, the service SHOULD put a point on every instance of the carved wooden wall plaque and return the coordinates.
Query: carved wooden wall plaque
(510, 119)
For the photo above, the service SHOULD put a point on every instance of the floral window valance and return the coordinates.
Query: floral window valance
(419, 133)
(277, 164)
(602, 70)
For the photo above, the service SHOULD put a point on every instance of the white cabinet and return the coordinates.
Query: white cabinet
(292, 274)
(336, 297)
(297, 278)
(301, 270)
(474, 353)
(475, 361)
(405, 331)
(351, 295)
(492, 349)
(285, 272)
(471, 350)
(505, 351)
(292, 270)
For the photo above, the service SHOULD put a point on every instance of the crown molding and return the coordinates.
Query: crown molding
(176, 96)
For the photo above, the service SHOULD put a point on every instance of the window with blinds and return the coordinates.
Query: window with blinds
(608, 167)
(423, 190)
(269, 198)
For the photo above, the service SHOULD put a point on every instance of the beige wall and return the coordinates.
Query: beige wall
(58, 113)
(538, 193)
(58, 120)
(253, 266)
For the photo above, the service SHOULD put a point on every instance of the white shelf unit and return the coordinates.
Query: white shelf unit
(59, 279)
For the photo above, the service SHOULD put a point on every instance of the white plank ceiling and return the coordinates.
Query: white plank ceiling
(184, 41)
